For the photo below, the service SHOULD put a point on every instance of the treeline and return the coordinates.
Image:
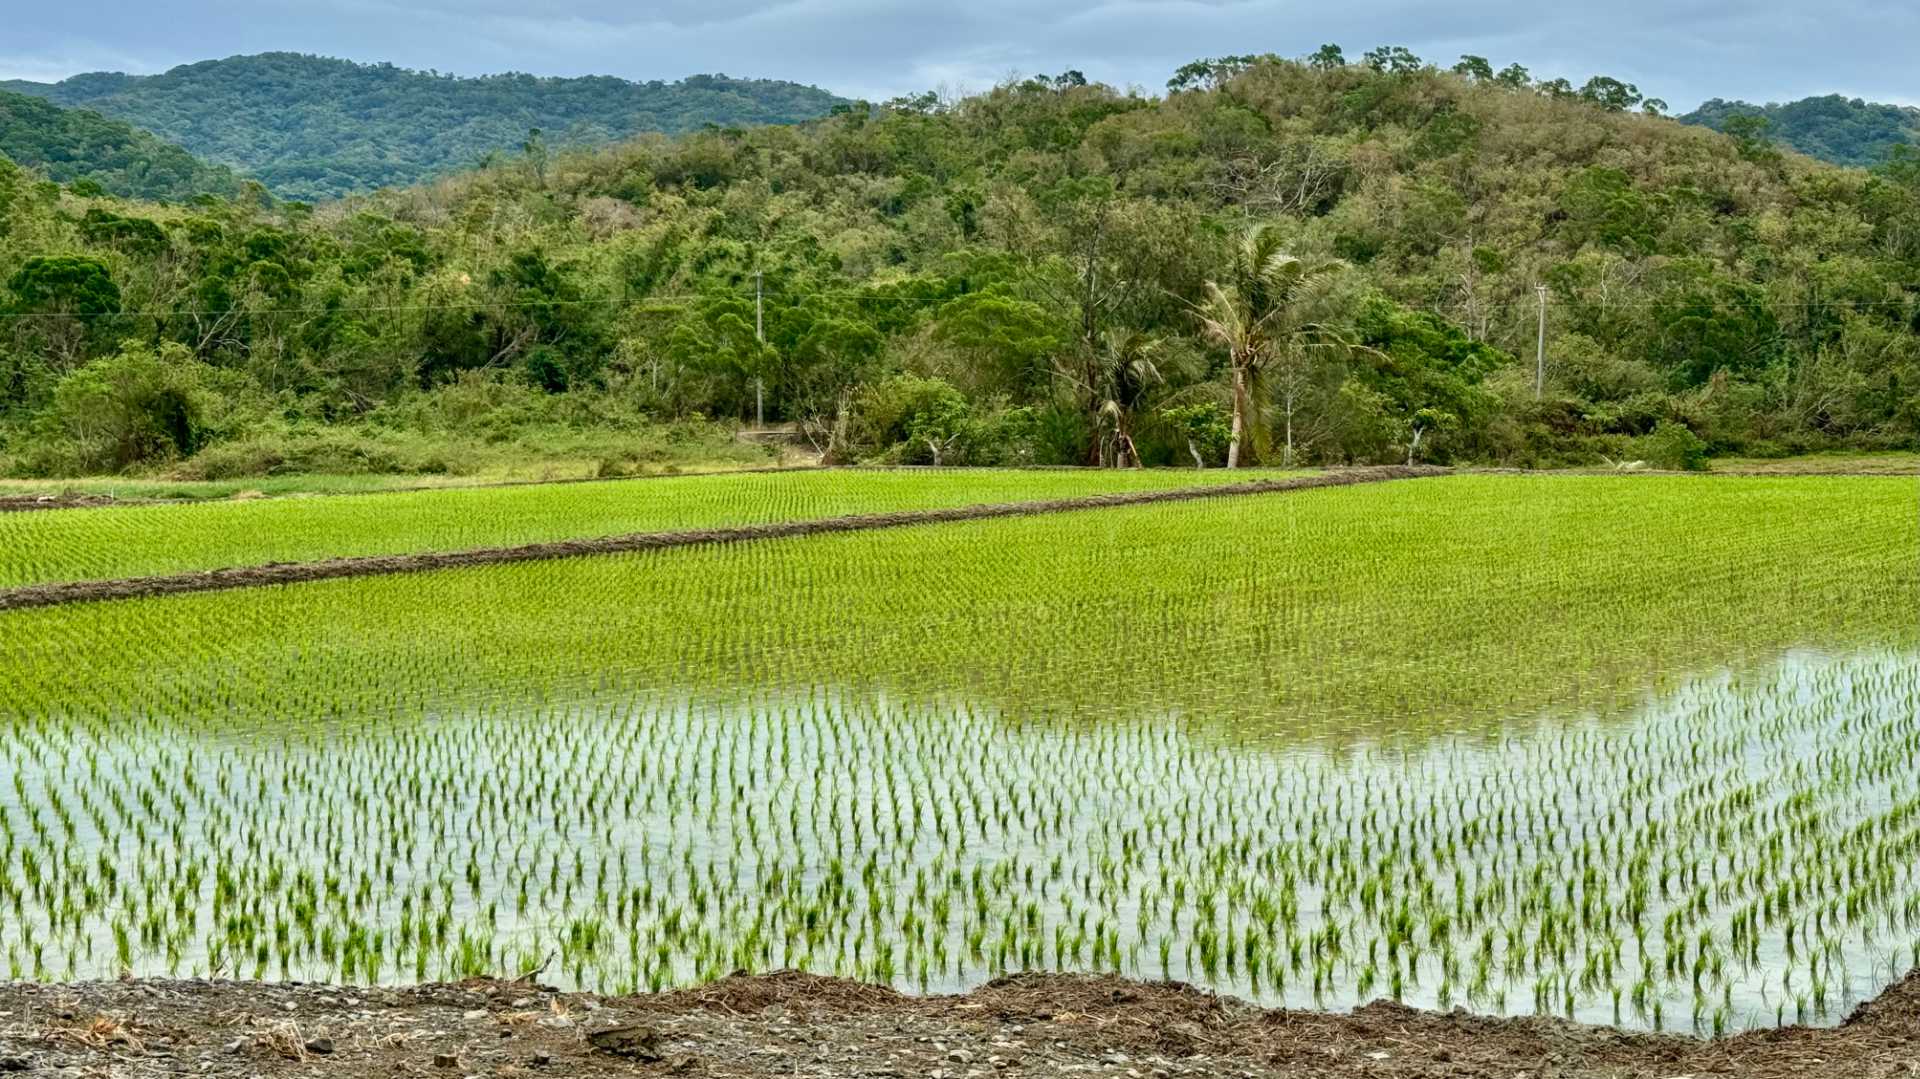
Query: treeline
(102, 156)
(1315, 260)
(315, 128)
(1846, 131)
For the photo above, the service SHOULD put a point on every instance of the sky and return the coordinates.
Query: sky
(1684, 51)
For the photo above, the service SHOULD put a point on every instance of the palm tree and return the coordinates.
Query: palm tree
(1128, 364)
(1263, 315)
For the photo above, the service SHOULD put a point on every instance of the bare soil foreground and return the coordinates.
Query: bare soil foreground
(796, 1024)
(50, 595)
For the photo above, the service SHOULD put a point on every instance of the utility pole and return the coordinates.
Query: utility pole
(1540, 349)
(760, 335)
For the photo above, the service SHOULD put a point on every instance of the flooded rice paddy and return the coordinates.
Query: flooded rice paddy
(1739, 851)
(1632, 751)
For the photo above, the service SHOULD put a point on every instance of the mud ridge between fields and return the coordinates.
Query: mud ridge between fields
(73, 500)
(80, 501)
(790, 1023)
(29, 503)
(55, 594)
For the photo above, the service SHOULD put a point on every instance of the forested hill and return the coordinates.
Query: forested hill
(79, 145)
(1846, 131)
(313, 128)
(1049, 272)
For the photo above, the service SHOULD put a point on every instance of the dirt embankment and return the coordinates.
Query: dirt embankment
(49, 595)
(28, 503)
(786, 1024)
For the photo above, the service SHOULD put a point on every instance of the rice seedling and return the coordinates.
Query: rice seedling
(1626, 749)
(138, 540)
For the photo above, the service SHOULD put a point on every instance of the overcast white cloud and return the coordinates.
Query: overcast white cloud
(1682, 50)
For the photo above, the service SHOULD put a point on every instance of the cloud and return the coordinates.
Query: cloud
(1682, 50)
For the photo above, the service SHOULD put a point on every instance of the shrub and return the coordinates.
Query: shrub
(135, 407)
(1673, 446)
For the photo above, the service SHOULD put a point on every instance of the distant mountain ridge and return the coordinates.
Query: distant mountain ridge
(1845, 131)
(73, 145)
(312, 128)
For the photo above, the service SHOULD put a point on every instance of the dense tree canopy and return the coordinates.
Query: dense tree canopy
(79, 145)
(314, 128)
(1845, 131)
(1024, 276)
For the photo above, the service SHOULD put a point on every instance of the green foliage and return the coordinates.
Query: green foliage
(1203, 427)
(133, 408)
(138, 237)
(64, 285)
(1603, 208)
(1611, 94)
(1010, 336)
(1845, 131)
(1003, 245)
(96, 156)
(1673, 446)
(314, 128)
(1212, 73)
(1476, 68)
(1425, 380)
(1395, 59)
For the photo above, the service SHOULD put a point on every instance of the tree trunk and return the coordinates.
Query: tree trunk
(1198, 463)
(1124, 453)
(1239, 415)
(837, 432)
(934, 445)
(1289, 460)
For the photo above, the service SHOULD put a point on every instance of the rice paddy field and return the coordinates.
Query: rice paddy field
(139, 540)
(1635, 749)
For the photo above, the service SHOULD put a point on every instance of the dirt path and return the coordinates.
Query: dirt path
(50, 595)
(785, 1024)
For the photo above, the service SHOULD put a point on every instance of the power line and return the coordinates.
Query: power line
(792, 300)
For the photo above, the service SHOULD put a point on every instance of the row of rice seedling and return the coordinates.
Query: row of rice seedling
(1375, 608)
(136, 540)
(1314, 749)
(1742, 852)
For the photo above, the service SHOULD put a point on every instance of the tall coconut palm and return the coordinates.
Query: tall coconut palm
(1264, 313)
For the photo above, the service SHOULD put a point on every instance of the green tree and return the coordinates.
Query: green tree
(59, 298)
(1266, 309)
(1203, 426)
(835, 354)
(132, 408)
(1474, 67)
(1327, 58)
(1751, 133)
(1611, 94)
(1210, 74)
(1396, 59)
(1013, 338)
(534, 149)
(716, 338)
(1424, 378)
(1128, 364)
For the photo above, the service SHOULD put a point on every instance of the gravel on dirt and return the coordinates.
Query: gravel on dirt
(788, 1023)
